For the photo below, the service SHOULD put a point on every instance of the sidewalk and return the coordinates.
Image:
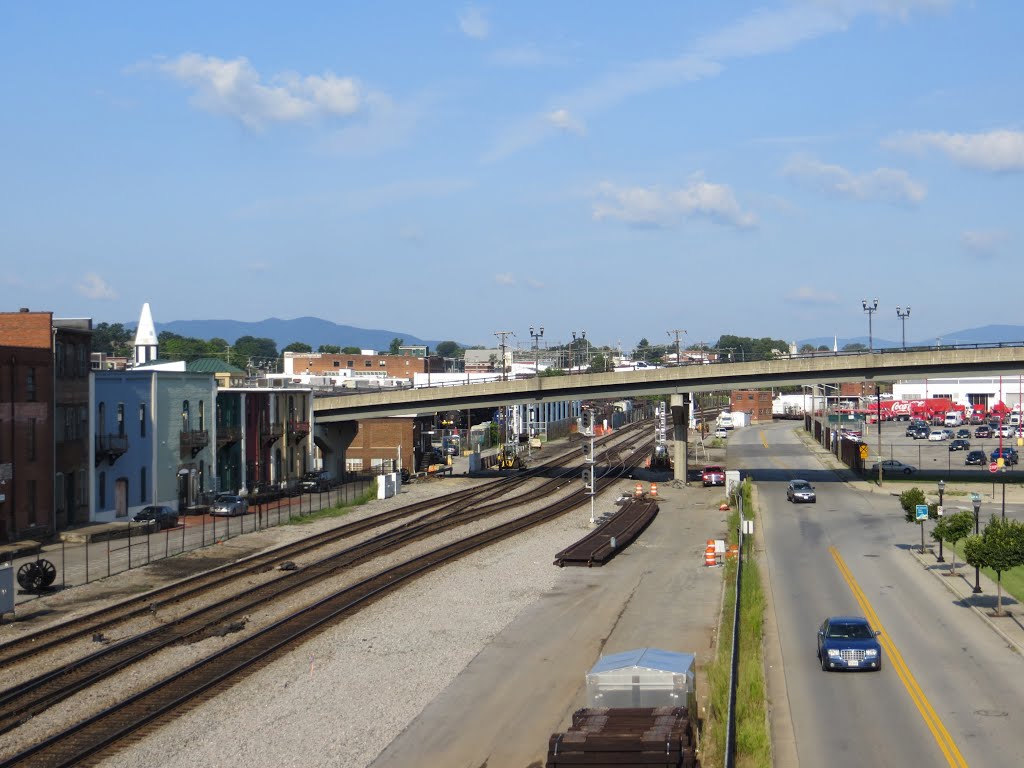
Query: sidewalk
(1009, 626)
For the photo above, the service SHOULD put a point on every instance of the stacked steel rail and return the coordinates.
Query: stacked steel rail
(641, 737)
(611, 537)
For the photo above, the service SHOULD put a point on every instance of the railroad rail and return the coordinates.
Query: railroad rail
(611, 537)
(89, 739)
(33, 644)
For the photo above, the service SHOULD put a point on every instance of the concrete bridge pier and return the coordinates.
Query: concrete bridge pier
(333, 439)
(680, 405)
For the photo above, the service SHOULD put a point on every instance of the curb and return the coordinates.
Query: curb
(966, 598)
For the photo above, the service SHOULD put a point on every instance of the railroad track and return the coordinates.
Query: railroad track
(32, 645)
(89, 739)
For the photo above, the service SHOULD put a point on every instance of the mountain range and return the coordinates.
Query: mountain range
(311, 330)
(316, 331)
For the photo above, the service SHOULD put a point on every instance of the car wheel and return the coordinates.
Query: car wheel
(824, 664)
(879, 667)
(907, 471)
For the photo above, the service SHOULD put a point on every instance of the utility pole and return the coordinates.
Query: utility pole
(501, 335)
(676, 332)
(537, 336)
(582, 337)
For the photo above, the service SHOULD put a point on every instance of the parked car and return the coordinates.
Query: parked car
(801, 490)
(976, 458)
(894, 466)
(1006, 431)
(848, 642)
(165, 517)
(226, 505)
(959, 445)
(963, 434)
(713, 475)
(722, 432)
(1009, 455)
(983, 431)
(911, 429)
(921, 433)
(937, 435)
(317, 480)
(949, 433)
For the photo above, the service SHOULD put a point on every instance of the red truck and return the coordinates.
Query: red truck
(713, 475)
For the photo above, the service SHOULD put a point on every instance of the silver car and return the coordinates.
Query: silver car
(226, 505)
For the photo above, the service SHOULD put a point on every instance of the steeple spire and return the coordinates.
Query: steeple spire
(145, 338)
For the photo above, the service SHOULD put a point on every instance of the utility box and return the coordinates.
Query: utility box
(6, 588)
(644, 677)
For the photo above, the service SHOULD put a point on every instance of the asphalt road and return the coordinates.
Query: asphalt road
(950, 691)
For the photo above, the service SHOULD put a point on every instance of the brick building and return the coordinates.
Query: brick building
(379, 442)
(26, 425)
(756, 402)
(374, 366)
(71, 358)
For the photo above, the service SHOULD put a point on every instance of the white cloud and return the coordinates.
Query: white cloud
(236, 89)
(660, 207)
(885, 184)
(524, 57)
(993, 151)
(805, 294)
(505, 278)
(981, 244)
(92, 286)
(760, 33)
(562, 120)
(474, 24)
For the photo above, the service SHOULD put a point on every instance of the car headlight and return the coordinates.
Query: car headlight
(871, 652)
(833, 652)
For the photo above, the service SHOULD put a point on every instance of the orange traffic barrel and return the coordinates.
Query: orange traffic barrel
(638, 490)
(734, 550)
(709, 553)
(654, 490)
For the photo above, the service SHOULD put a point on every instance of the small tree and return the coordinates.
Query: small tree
(909, 500)
(1000, 547)
(298, 346)
(329, 349)
(396, 344)
(952, 529)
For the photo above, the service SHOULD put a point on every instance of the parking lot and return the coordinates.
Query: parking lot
(932, 457)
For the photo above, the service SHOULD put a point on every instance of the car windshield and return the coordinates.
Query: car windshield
(801, 486)
(849, 631)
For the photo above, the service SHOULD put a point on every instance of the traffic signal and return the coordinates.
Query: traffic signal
(588, 450)
(588, 421)
(588, 478)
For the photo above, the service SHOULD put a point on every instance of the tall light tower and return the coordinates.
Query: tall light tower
(537, 336)
(582, 337)
(903, 321)
(870, 309)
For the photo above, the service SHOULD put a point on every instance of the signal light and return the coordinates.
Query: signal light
(588, 478)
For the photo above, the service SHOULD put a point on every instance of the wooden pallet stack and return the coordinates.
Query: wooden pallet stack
(643, 737)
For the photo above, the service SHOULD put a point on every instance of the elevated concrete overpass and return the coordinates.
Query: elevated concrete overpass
(884, 365)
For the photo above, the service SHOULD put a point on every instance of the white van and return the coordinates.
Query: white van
(1014, 420)
(954, 419)
(725, 420)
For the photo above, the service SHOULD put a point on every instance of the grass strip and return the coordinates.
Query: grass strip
(339, 510)
(753, 739)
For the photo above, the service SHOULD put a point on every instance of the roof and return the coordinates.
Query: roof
(145, 334)
(646, 658)
(213, 365)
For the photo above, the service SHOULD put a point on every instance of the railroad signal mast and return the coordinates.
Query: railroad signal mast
(590, 468)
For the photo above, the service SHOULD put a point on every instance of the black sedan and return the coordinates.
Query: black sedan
(964, 434)
(976, 458)
(983, 431)
(921, 433)
(848, 642)
(165, 517)
(959, 445)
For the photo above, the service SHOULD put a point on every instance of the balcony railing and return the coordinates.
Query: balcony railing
(298, 429)
(194, 440)
(110, 447)
(227, 435)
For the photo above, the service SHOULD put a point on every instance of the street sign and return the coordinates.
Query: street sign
(994, 466)
(921, 512)
(864, 451)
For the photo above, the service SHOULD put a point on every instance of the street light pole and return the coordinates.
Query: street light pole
(572, 362)
(870, 310)
(903, 322)
(942, 487)
(977, 575)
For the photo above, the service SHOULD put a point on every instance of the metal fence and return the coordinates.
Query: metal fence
(137, 545)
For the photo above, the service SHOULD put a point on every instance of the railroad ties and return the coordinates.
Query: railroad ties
(618, 532)
(641, 737)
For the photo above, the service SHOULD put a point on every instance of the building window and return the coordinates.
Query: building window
(202, 475)
(101, 419)
(80, 360)
(32, 439)
(142, 485)
(58, 493)
(186, 419)
(101, 490)
(59, 357)
(70, 426)
(202, 416)
(351, 364)
(83, 421)
(142, 420)
(369, 363)
(384, 363)
(80, 488)
(30, 385)
(120, 419)
(32, 500)
(337, 363)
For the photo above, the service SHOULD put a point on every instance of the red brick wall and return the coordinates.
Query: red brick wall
(25, 329)
(395, 366)
(380, 439)
(756, 402)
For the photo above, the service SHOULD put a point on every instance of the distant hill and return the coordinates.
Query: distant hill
(986, 334)
(311, 330)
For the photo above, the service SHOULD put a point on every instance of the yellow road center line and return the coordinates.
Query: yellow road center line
(764, 440)
(931, 719)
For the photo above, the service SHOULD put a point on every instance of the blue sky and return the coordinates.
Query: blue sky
(450, 170)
